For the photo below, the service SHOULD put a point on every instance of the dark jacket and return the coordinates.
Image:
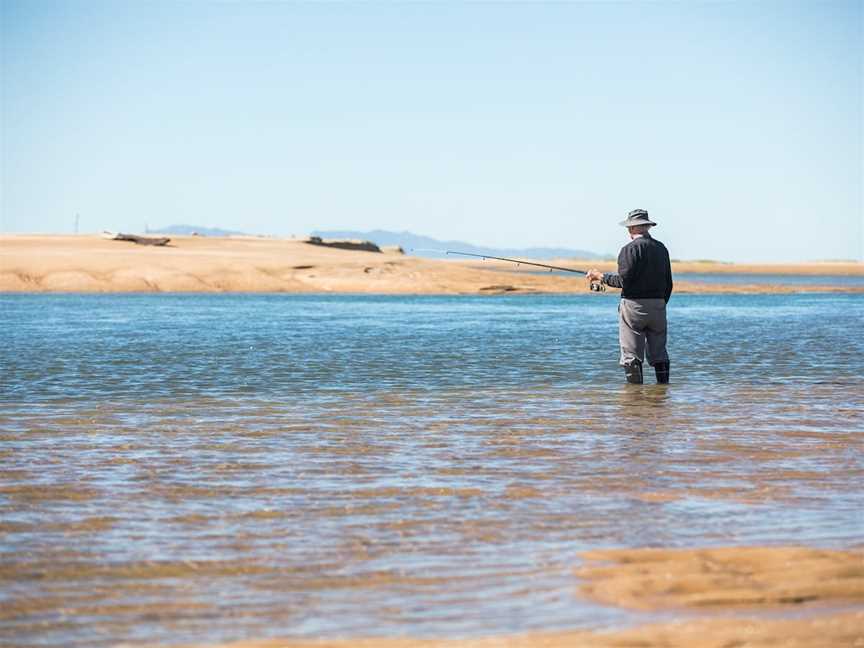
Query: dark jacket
(644, 271)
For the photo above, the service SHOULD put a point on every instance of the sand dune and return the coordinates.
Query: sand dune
(53, 263)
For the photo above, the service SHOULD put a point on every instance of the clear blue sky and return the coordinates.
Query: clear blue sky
(738, 125)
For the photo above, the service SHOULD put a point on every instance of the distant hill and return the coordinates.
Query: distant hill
(413, 244)
(185, 230)
(425, 246)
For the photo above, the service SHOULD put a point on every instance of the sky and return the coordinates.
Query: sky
(737, 125)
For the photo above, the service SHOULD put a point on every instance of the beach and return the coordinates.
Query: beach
(89, 263)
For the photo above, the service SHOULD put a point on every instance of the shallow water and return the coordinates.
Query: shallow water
(742, 278)
(843, 281)
(212, 467)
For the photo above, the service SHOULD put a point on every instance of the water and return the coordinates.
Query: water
(742, 278)
(197, 468)
(844, 281)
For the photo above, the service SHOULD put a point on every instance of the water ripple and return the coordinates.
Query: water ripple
(204, 468)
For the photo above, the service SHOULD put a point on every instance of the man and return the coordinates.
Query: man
(645, 279)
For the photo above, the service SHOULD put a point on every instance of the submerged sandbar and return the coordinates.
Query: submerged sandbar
(743, 596)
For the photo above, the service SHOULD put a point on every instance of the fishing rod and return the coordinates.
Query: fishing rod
(595, 286)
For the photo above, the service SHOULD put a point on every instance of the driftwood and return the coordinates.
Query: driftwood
(134, 238)
(366, 246)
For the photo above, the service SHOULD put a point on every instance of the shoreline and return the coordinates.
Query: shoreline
(193, 264)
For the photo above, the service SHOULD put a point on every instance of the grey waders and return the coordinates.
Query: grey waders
(633, 371)
(641, 332)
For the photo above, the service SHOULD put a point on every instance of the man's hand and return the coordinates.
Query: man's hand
(594, 275)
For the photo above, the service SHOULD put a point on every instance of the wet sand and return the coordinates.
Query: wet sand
(88, 263)
(756, 596)
(722, 578)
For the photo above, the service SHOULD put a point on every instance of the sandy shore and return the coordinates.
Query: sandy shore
(741, 596)
(54, 263)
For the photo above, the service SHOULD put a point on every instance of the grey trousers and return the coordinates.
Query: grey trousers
(641, 320)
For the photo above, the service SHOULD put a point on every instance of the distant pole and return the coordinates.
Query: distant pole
(77, 217)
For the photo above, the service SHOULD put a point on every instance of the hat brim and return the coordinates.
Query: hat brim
(634, 223)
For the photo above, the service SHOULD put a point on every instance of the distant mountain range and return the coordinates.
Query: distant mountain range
(413, 244)
(186, 230)
(425, 246)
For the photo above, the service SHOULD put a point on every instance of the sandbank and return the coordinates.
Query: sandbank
(89, 263)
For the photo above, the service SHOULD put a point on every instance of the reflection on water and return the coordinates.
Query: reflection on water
(205, 468)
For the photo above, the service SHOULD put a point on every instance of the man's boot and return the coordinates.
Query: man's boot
(662, 371)
(633, 371)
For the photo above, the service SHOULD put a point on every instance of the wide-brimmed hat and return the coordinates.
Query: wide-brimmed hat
(637, 217)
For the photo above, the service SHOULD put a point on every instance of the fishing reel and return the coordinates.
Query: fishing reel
(596, 286)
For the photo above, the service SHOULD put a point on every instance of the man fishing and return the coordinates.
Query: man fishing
(645, 279)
